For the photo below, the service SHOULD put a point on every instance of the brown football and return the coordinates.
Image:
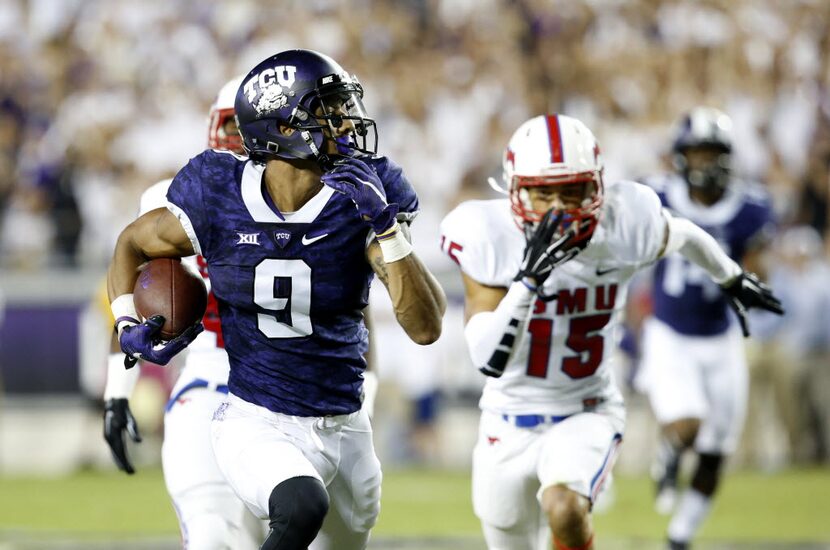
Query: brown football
(166, 287)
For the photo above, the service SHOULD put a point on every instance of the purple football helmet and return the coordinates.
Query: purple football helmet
(307, 91)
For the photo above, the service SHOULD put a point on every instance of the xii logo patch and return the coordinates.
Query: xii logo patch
(248, 238)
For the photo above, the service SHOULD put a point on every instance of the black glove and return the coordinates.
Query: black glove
(747, 291)
(542, 255)
(117, 420)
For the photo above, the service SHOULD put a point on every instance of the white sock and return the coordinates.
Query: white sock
(690, 513)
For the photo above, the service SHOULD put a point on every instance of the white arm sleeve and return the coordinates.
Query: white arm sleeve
(491, 335)
(701, 248)
(120, 381)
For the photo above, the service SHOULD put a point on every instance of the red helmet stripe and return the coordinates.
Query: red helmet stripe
(555, 139)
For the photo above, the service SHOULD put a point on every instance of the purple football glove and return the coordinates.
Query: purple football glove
(142, 341)
(358, 181)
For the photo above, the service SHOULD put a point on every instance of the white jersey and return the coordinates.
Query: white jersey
(206, 359)
(560, 365)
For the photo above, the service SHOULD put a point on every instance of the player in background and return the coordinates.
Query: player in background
(210, 514)
(293, 236)
(545, 275)
(693, 365)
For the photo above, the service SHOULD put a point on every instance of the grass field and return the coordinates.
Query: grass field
(791, 506)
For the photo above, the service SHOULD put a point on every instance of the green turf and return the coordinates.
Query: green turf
(426, 502)
(786, 506)
(88, 503)
(792, 506)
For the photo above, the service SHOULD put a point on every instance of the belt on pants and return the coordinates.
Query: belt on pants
(532, 420)
(196, 383)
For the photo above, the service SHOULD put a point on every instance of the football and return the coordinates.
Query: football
(166, 287)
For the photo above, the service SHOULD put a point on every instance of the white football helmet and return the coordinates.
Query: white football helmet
(222, 110)
(555, 150)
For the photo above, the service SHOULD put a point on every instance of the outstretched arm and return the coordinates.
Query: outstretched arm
(743, 289)
(699, 247)
(417, 298)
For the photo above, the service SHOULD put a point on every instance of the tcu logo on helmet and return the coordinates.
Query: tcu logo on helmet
(270, 83)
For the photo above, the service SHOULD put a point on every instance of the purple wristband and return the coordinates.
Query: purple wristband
(126, 318)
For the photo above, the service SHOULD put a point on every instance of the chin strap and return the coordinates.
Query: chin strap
(329, 161)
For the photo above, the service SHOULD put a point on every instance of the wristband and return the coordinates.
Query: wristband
(393, 244)
(123, 309)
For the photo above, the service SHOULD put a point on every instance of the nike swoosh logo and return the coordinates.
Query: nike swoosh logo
(306, 241)
(601, 272)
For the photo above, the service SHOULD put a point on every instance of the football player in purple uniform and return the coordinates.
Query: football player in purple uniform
(293, 236)
(210, 515)
(693, 364)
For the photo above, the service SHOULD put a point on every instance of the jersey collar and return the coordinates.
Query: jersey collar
(677, 195)
(262, 212)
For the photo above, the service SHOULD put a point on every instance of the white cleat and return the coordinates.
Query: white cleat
(666, 500)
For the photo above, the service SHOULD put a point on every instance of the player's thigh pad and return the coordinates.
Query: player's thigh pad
(355, 488)
(504, 473)
(673, 373)
(727, 388)
(211, 517)
(579, 452)
(255, 455)
(187, 453)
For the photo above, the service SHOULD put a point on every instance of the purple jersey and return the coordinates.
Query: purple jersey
(685, 297)
(291, 286)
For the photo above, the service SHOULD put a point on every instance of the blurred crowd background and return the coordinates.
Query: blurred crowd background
(101, 98)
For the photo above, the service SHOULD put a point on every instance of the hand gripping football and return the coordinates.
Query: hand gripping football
(166, 287)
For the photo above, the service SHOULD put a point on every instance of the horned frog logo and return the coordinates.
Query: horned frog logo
(270, 83)
(272, 98)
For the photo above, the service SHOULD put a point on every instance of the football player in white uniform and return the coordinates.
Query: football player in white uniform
(210, 515)
(545, 275)
(693, 364)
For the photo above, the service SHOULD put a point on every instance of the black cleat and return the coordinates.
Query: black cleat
(675, 545)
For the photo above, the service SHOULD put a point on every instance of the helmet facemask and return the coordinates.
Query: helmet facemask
(223, 130)
(219, 137)
(579, 198)
(711, 177)
(322, 112)
(702, 149)
(554, 162)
